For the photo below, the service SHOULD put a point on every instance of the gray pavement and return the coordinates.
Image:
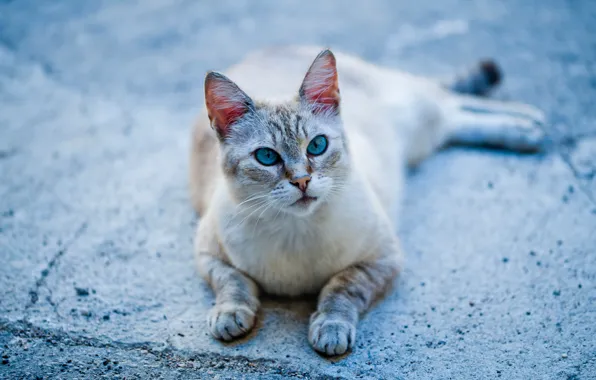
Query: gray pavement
(97, 273)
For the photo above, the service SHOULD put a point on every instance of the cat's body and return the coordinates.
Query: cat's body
(341, 240)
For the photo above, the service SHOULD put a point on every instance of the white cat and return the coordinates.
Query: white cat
(298, 188)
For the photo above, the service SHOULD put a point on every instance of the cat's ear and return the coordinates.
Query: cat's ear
(320, 88)
(226, 102)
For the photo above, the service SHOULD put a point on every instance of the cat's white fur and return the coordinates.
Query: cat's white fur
(392, 119)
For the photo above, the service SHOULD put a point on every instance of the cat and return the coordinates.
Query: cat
(298, 187)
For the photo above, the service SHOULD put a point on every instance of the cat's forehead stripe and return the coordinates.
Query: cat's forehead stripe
(286, 127)
(300, 124)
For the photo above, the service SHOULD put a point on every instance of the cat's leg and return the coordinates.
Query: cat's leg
(347, 295)
(236, 295)
(472, 119)
(486, 122)
(477, 104)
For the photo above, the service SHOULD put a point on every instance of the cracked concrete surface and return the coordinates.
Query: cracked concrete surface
(96, 103)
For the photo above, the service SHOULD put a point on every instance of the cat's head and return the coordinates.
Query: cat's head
(291, 157)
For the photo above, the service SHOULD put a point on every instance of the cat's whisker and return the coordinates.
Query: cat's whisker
(275, 217)
(336, 189)
(259, 217)
(254, 197)
(259, 203)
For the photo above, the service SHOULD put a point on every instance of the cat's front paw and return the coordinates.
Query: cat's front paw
(229, 321)
(331, 334)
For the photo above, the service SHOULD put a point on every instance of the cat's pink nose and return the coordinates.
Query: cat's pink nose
(301, 183)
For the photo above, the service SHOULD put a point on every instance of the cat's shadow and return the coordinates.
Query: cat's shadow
(292, 313)
(301, 307)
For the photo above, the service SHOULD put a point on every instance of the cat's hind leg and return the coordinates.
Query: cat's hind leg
(486, 122)
(475, 104)
(472, 119)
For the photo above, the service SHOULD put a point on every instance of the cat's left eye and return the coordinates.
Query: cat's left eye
(317, 146)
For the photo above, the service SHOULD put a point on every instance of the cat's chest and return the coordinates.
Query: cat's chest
(290, 261)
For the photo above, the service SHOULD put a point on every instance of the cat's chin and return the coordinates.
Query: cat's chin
(303, 206)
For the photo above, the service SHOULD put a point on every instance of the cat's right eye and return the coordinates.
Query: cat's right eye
(266, 156)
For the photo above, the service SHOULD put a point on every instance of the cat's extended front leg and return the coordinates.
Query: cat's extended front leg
(236, 299)
(236, 295)
(348, 294)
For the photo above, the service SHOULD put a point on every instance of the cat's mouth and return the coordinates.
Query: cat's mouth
(305, 201)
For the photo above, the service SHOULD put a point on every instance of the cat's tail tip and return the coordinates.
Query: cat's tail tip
(479, 80)
(491, 71)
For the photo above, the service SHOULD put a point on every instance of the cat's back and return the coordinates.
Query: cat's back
(275, 74)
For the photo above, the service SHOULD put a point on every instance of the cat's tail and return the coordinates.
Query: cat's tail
(479, 80)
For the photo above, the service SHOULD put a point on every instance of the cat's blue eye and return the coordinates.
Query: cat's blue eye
(317, 146)
(266, 156)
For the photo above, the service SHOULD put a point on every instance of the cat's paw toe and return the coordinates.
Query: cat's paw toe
(230, 321)
(331, 336)
(535, 114)
(530, 137)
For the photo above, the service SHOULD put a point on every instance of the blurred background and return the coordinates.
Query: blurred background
(156, 52)
(97, 100)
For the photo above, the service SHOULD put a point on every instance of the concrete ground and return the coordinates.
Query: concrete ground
(97, 273)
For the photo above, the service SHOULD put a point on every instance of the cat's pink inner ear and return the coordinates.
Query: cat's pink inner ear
(226, 102)
(320, 87)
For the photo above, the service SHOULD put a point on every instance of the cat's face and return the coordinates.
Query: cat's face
(285, 158)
